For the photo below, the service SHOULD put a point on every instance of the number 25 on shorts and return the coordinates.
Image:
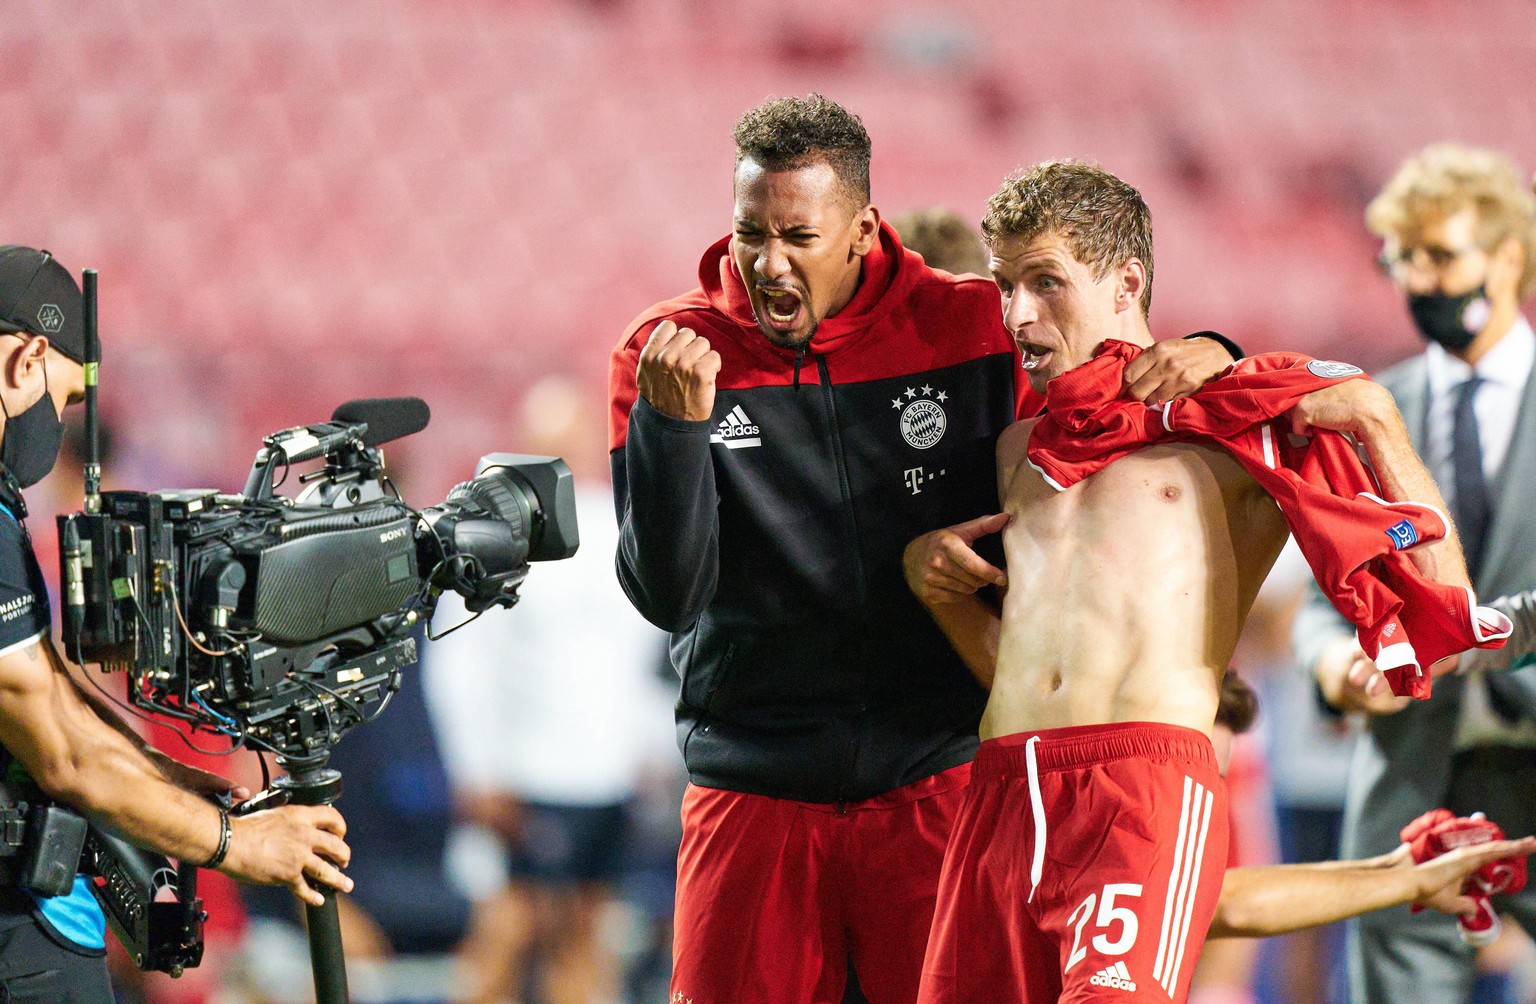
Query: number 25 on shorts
(1109, 915)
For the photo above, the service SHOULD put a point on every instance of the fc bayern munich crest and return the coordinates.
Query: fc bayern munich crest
(922, 416)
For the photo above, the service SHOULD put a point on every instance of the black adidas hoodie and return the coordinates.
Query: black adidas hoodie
(768, 539)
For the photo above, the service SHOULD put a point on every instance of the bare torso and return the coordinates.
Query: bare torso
(1127, 592)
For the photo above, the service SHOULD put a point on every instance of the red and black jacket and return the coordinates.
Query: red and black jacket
(768, 539)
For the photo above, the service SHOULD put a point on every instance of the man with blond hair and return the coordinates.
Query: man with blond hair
(1087, 858)
(1457, 226)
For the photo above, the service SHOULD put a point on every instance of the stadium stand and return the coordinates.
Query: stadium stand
(294, 203)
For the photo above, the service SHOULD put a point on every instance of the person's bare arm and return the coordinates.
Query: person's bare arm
(945, 573)
(1174, 368)
(193, 779)
(1366, 410)
(81, 760)
(1265, 901)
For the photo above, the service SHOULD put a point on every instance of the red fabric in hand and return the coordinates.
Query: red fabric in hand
(1353, 539)
(1439, 831)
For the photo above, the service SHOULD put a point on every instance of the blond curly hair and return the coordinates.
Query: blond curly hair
(1445, 178)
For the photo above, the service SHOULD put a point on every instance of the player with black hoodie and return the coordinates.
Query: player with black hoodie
(778, 436)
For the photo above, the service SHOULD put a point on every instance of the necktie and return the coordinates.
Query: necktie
(1472, 509)
(1473, 512)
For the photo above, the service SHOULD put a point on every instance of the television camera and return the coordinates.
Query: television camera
(281, 623)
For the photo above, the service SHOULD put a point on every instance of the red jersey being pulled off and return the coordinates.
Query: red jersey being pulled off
(1352, 537)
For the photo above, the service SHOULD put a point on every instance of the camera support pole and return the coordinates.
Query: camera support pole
(310, 782)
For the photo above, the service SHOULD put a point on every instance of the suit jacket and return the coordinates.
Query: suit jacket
(1402, 766)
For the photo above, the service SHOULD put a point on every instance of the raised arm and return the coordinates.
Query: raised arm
(664, 477)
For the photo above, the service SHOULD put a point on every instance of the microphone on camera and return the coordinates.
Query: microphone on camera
(388, 418)
(309, 442)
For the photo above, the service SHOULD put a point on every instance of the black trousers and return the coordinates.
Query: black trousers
(39, 967)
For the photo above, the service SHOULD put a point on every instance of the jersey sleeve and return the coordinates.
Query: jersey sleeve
(668, 557)
(669, 527)
(23, 593)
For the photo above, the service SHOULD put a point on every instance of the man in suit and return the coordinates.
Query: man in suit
(1457, 226)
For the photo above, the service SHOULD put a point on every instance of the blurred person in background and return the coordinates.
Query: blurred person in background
(67, 743)
(404, 919)
(546, 713)
(944, 239)
(826, 723)
(1456, 225)
(1228, 967)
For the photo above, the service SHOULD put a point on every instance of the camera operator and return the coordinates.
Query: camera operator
(66, 742)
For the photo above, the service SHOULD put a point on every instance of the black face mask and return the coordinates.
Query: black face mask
(1449, 320)
(32, 440)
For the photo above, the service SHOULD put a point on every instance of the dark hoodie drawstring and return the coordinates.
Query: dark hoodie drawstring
(799, 359)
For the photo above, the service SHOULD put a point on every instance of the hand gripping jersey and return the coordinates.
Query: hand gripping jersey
(1352, 537)
(1440, 831)
(768, 539)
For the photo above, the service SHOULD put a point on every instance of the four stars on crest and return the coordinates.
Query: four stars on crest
(912, 392)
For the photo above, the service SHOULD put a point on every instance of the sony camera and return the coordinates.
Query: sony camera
(282, 623)
(277, 623)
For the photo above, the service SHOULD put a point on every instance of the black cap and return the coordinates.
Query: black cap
(38, 295)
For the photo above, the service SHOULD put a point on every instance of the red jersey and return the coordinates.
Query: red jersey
(1351, 536)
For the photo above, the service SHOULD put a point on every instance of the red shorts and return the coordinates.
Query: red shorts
(1085, 866)
(775, 896)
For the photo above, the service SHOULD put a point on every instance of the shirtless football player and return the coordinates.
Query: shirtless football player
(1087, 859)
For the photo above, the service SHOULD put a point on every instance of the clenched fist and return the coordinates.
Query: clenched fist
(677, 373)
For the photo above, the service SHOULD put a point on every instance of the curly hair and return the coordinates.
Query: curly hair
(1104, 221)
(943, 238)
(784, 134)
(1443, 179)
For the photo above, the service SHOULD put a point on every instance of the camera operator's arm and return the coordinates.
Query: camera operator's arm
(79, 759)
(194, 779)
(664, 477)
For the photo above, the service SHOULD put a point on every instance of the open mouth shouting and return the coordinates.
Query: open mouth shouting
(783, 308)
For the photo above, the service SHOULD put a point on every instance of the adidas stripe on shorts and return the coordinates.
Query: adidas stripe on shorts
(1085, 866)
